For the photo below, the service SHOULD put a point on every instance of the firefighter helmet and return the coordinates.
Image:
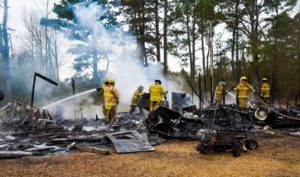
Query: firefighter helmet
(243, 78)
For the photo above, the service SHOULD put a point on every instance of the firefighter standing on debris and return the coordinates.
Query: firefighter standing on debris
(243, 89)
(134, 100)
(111, 100)
(219, 92)
(265, 91)
(157, 93)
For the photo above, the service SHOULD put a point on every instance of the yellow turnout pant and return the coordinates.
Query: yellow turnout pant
(243, 102)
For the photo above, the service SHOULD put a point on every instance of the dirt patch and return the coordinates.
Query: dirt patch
(275, 157)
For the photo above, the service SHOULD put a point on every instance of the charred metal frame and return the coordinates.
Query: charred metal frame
(33, 85)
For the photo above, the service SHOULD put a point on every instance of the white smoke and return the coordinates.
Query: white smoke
(125, 67)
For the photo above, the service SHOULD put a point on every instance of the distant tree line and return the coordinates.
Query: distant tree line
(262, 40)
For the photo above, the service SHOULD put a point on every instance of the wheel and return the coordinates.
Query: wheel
(236, 150)
(202, 148)
(261, 114)
(251, 144)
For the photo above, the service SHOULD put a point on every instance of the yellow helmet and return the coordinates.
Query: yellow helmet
(243, 78)
(264, 79)
(222, 83)
(111, 81)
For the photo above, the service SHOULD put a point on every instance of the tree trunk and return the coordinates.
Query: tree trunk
(236, 27)
(192, 75)
(157, 35)
(56, 57)
(274, 63)
(233, 50)
(5, 54)
(237, 48)
(193, 45)
(203, 52)
(142, 33)
(166, 37)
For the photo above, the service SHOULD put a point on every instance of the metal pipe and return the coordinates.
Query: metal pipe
(33, 85)
(211, 60)
(200, 92)
(73, 91)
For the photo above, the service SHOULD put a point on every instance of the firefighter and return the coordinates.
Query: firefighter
(111, 100)
(157, 93)
(134, 100)
(101, 90)
(243, 89)
(219, 92)
(265, 90)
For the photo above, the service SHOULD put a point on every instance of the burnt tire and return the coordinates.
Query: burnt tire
(251, 144)
(236, 150)
(202, 148)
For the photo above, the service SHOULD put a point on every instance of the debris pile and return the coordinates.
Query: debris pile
(28, 131)
(32, 131)
(19, 117)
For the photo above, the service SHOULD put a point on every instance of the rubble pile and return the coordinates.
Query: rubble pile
(29, 131)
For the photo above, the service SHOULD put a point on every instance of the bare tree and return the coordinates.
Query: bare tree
(42, 42)
(5, 51)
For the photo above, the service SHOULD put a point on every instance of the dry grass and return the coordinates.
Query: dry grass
(276, 157)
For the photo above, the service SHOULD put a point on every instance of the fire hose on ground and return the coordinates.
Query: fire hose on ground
(272, 109)
(268, 107)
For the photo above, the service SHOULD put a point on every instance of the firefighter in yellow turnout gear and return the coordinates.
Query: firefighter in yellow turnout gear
(101, 90)
(157, 93)
(219, 92)
(265, 91)
(111, 99)
(134, 100)
(243, 89)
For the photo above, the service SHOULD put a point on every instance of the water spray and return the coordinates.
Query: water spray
(69, 98)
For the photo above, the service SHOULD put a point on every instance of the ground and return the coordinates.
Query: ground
(276, 157)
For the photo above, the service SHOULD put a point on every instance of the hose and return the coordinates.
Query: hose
(269, 107)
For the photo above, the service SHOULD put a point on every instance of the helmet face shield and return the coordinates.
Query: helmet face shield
(264, 79)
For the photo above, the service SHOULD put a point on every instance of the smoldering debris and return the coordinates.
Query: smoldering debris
(31, 131)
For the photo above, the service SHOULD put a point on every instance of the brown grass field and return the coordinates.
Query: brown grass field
(277, 157)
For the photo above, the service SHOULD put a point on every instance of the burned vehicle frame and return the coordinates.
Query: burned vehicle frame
(226, 130)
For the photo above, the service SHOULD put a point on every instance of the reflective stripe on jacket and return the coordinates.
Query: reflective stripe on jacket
(110, 97)
(265, 90)
(157, 92)
(243, 90)
(219, 92)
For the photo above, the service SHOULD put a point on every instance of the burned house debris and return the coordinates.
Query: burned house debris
(27, 130)
(36, 132)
